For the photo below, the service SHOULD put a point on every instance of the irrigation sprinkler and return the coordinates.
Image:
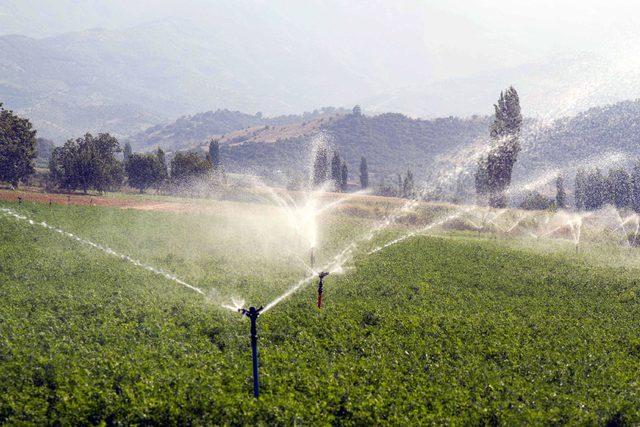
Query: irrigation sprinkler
(253, 314)
(321, 275)
(19, 200)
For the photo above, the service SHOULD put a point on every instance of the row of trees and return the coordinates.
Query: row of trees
(323, 171)
(91, 163)
(336, 171)
(593, 189)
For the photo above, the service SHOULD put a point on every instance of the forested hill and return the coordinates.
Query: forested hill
(190, 131)
(392, 143)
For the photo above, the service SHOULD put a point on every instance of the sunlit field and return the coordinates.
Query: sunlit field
(455, 323)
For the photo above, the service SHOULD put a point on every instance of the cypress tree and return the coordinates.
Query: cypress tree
(344, 177)
(561, 195)
(320, 166)
(336, 170)
(579, 192)
(214, 154)
(619, 188)
(635, 187)
(505, 135)
(364, 173)
(407, 185)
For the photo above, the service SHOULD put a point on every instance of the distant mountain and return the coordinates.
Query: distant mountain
(123, 81)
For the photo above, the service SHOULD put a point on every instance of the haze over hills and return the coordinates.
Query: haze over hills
(393, 143)
(121, 66)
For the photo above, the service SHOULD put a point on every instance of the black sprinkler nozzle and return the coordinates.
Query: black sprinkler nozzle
(321, 275)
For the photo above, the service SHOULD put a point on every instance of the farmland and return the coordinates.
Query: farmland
(458, 328)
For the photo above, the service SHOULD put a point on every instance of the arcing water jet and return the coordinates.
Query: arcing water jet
(104, 249)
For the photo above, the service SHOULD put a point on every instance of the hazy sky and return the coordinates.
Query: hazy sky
(579, 53)
(446, 37)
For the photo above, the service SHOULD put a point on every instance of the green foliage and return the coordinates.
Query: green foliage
(320, 167)
(344, 176)
(17, 147)
(432, 331)
(619, 188)
(364, 173)
(497, 166)
(145, 170)
(580, 189)
(533, 200)
(214, 154)
(87, 162)
(336, 170)
(561, 194)
(408, 190)
(187, 166)
(635, 187)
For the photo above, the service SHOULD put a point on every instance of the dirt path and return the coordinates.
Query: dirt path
(32, 195)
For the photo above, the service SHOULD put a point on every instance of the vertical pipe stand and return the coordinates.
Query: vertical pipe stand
(253, 314)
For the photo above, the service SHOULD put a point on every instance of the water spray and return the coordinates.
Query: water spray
(252, 313)
(321, 275)
(312, 257)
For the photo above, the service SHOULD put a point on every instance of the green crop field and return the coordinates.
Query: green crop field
(452, 329)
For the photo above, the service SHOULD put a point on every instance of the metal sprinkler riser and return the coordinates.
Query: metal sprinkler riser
(321, 275)
(252, 313)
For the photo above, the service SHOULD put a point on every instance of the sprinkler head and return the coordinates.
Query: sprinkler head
(251, 313)
(321, 275)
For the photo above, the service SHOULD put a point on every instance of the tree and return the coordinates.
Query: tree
(595, 190)
(87, 162)
(619, 188)
(536, 201)
(17, 147)
(357, 111)
(561, 195)
(143, 171)
(579, 189)
(320, 166)
(344, 177)
(635, 187)
(214, 154)
(482, 180)
(407, 185)
(163, 173)
(127, 152)
(336, 170)
(364, 173)
(505, 135)
(187, 166)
